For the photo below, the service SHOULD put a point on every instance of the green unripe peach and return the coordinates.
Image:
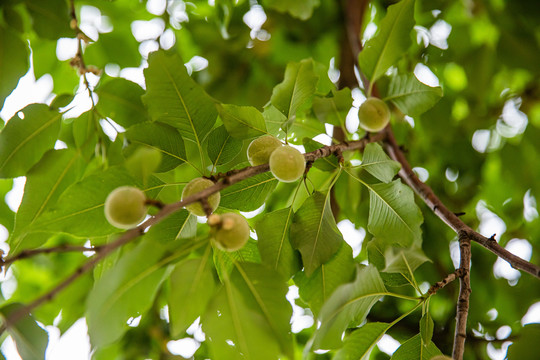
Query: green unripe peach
(260, 149)
(125, 207)
(287, 164)
(231, 231)
(143, 162)
(373, 114)
(197, 185)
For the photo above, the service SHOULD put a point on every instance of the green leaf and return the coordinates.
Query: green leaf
(405, 261)
(333, 109)
(426, 328)
(13, 61)
(359, 343)
(242, 122)
(376, 249)
(298, 86)
(317, 288)
(264, 291)
(222, 147)
(24, 141)
(224, 260)
(411, 96)
(348, 305)
(314, 232)
(120, 100)
(413, 349)
(79, 211)
(163, 138)
(45, 182)
(249, 194)
(236, 331)
(274, 243)
(124, 291)
(50, 18)
(173, 98)
(301, 9)
(393, 214)
(390, 43)
(31, 340)
(192, 286)
(378, 164)
(116, 47)
(177, 226)
(521, 347)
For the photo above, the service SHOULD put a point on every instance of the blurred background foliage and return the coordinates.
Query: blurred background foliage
(477, 148)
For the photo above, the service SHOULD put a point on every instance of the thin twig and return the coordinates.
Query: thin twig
(56, 249)
(447, 280)
(449, 217)
(462, 311)
(130, 235)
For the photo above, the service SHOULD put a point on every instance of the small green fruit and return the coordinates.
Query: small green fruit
(197, 185)
(232, 232)
(143, 162)
(374, 114)
(260, 149)
(287, 164)
(125, 207)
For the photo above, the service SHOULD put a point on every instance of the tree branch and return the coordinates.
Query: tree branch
(447, 280)
(56, 249)
(225, 180)
(451, 219)
(462, 311)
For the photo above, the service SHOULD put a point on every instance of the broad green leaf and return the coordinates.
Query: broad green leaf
(378, 164)
(249, 194)
(177, 226)
(317, 288)
(360, 342)
(328, 163)
(235, 331)
(426, 328)
(521, 347)
(24, 141)
(242, 122)
(333, 109)
(222, 147)
(50, 18)
(405, 261)
(264, 291)
(298, 86)
(411, 96)
(124, 291)
(224, 260)
(376, 249)
(173, 98)
(413, 349)
(7, 216)
(31, 340)
(161, 137)
(116, 47)
(274, 243)
(314, 232)
(348, 305)
(192, 286)
(393, 214)
(13, 61)
(84, 131)
(79, 211)
(120, 100)
(390, 43)
(45, 182)
(301, 9)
